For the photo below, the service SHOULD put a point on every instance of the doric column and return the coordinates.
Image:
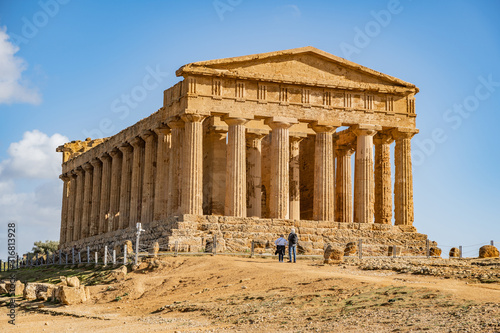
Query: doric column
(125, 186)
(280, 156)
(403, 187)
(162, 166)
(192, 169)
(105, 194)
(343, 186)
(71, 206)
(295, 176)
(137, 179)
(174, 176)
(235, 202)
(114, 201)
(364, 184)
(96, 196)
(148, 186)
(214, 171)
(324, 173)
(64, 209)
(80, 181)
(87, 200)
(254, 170)
(383, 187)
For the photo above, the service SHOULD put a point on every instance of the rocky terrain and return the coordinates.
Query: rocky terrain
(241, 294)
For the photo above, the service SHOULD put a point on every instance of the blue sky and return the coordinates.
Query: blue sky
(71, 69)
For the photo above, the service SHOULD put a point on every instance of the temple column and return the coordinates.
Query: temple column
(280, 157)
(343, 186)
(96, 196)
(148, 186)
(71, 207)
(254, 170)
(137, 179)
(235, 201)
(403, 187)
(174, 176)
(383, 187)
(87, 200)
(105, 194)
(192, 169)
(114, 201)
(215, 165)
(295, 177)
(125, 185)
(64, 209)
(324, 173)
(364, 184)
(162, 167)
(80, 181)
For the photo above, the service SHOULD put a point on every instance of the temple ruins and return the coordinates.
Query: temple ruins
(247, 147)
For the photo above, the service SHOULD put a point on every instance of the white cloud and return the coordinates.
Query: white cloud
(30, 191)
(34, 156)
(13, 88)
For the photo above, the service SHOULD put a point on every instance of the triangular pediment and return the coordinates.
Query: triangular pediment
(306, 65)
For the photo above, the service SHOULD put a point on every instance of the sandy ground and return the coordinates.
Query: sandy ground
(236, 294)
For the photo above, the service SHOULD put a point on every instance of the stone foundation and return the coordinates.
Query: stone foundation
(195, 233)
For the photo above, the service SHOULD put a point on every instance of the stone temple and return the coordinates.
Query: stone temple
(245, 148)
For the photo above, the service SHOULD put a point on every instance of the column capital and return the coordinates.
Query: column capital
(105, 157)
(193, 118)
(362, 129)
(403, 133)
(347, 150)
(137, 142)
(78, 170)
(323, 127)
(280, 122)
(125, 147)
(230, 120)
(175, 122)
(87, 167)
(72, 173)
(114, 152)
(383, 138)
(95, 162)
(162, 130)
(147, 134)
(65, 177)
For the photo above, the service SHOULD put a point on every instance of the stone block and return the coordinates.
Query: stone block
(454, 252)
(71, 295)
(351, 249)
(488, 251)
(333, 254)
(435, 252)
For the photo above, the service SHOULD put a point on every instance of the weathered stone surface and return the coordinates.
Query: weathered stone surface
(351, 249)
(454, 252)
(333, 255)
(488, 251)
(73, 281)
(71, 295)
(3, 289)
(34, 291)
(221, 144)
(435, 252)
(156, 249)
(18, 288)
(120, 273)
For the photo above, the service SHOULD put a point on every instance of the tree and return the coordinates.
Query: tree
(47, 247)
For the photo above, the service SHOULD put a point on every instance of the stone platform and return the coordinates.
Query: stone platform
(195, 233)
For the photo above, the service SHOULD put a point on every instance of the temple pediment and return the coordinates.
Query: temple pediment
(306, 65)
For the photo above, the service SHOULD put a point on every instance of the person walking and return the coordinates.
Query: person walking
(292, 245)
(280, 247)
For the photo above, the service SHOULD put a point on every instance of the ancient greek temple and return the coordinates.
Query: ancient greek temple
(247, 147)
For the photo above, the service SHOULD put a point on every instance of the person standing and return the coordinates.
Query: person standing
(292, 245)
(280, 247)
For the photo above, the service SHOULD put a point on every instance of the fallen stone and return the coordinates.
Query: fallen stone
(35, 290)
(351, 249)
(435, 252)
(333, 255)
(119, 273)
(18, 289)
(156, 249)
(71, 295)
(73, 281)
(488, 251)
(454, 252)
(3, 289)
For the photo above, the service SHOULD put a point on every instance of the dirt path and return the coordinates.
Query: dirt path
(237, 294)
